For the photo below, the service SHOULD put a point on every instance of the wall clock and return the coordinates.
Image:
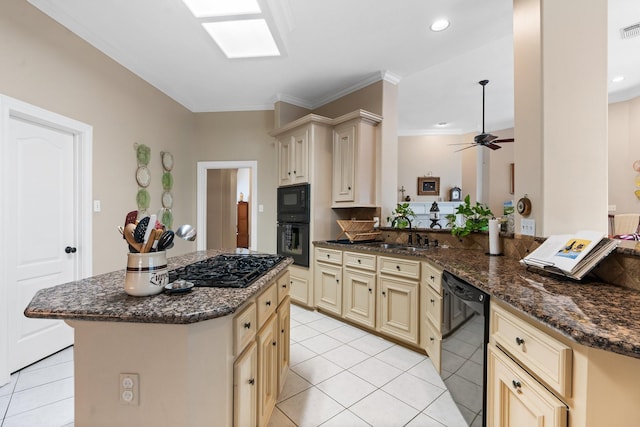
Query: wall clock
(524, 206)
(455, 194)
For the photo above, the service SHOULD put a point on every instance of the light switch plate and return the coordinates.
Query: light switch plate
(528, 227)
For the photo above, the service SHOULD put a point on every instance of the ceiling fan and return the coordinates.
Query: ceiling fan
(484, 139)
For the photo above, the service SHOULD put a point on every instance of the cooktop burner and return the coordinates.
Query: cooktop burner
(226, 271)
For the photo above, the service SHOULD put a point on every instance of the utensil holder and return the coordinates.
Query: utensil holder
(147, 273)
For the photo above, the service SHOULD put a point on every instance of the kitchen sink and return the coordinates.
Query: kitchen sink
(413, 248)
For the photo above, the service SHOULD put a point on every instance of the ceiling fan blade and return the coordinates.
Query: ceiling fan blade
(488, 138)
(471, 146)
(463, 143)
(503, 140)
(492, 146)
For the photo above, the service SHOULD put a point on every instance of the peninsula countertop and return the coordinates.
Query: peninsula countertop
(593, 314)
(102, 298)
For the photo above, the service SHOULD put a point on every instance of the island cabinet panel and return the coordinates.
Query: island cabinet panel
(516, 399)
(267, 302)
(284, 339)
(267, 369)
(245, 392)
(245, 325)
(283, 284)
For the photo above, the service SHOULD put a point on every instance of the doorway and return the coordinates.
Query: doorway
(46, 199)
(221, 169)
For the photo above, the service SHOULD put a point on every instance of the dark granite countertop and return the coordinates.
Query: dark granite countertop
(590, 313)
(102, 298)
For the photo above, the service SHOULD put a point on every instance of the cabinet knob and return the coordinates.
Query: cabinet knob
(369, 290)
(328, 256)
(432, 339)
(268, 303)
(337, 280)
(247, 325)
(432, 277)
(384, 294)
(398, 267)
(70, 250)
(284, 285)
(519, 341)
(289, 173)
(294, 172)
(432, 301)
(252, 381)
(517, 385)
(359, 261)
(282, 331)
(273, 343)
(349, 187)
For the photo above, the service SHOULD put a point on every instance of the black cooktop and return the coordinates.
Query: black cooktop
(226, 271)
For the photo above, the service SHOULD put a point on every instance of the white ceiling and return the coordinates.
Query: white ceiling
(332, 47)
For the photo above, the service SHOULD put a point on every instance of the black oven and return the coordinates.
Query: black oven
(293, 204)
(293, 241)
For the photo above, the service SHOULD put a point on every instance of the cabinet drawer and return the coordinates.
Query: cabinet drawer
(399, 267)
(283, 286)
(362, 261)
(244, 328)
(432, 276)
(543, 355)
(434, 308)
(267, 303)
(433, 345)
(331, 256)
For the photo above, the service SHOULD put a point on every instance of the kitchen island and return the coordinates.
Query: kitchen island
(179, 350)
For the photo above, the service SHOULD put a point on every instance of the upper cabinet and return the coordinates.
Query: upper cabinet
(293, 157)
(354, 159)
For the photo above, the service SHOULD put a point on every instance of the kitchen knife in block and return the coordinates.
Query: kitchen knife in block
(129, 231)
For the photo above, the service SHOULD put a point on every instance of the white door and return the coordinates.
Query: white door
(39, 227)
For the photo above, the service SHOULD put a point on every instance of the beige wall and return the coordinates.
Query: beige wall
(624, 149)
(230, 136)
(44, 64)
(369, 98)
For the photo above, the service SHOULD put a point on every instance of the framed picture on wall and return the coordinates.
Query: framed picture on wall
(429, 186)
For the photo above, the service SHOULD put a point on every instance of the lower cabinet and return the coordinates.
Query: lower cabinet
(359, 297)
(267, 369)
(299, 287)
(328, 286)
(398, 306)
(284, 349)
(516, 399)
(245, 393)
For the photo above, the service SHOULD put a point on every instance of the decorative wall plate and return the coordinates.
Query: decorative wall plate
(167, 181)
(143, 154)
(167, 200)
(524, 206)
(636, 166)
(167, 160)
(143, 176)
(143, 199)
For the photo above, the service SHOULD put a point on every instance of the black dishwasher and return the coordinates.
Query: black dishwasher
(464, 346)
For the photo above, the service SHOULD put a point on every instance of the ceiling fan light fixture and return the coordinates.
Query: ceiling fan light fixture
(440, 25)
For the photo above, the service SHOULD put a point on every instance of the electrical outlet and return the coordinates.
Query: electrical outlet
(129, 389)
(528, 227)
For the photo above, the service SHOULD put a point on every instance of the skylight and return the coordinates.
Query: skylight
(208, 8)
(243, 39)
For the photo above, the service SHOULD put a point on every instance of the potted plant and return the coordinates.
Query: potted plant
(402, 216)
(476, 218)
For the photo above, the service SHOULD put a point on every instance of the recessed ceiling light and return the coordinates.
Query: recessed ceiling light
(617, 79)
(442, 124)
(208, 8)
(243, 39)
(440, 25)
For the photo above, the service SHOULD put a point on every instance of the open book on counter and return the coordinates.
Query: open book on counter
(571, 255)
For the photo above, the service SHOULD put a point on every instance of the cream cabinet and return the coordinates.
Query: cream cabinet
(431, 311)
(267, 340)
(359, 285)
(328, 280)
(516, 399)
(293, 157)
(354, 148)
(398, 298)
(300, 287)
(261, 335)
(245, 393)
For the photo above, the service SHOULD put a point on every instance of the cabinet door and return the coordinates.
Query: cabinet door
(399, 308)
(328, 286)
(245, 403)
(285, 160)
(515, 399)
(267, 369)
(360, 296)
(300, 290)
(284, 331)
(300, 157)
(343, 164)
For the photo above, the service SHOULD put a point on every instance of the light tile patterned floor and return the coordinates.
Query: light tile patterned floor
(340, 376)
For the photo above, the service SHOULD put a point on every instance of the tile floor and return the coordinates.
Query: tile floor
(340, 376)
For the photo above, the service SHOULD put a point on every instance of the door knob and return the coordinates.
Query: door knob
(70, 250)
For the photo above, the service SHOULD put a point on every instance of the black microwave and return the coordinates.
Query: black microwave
(293, 203)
